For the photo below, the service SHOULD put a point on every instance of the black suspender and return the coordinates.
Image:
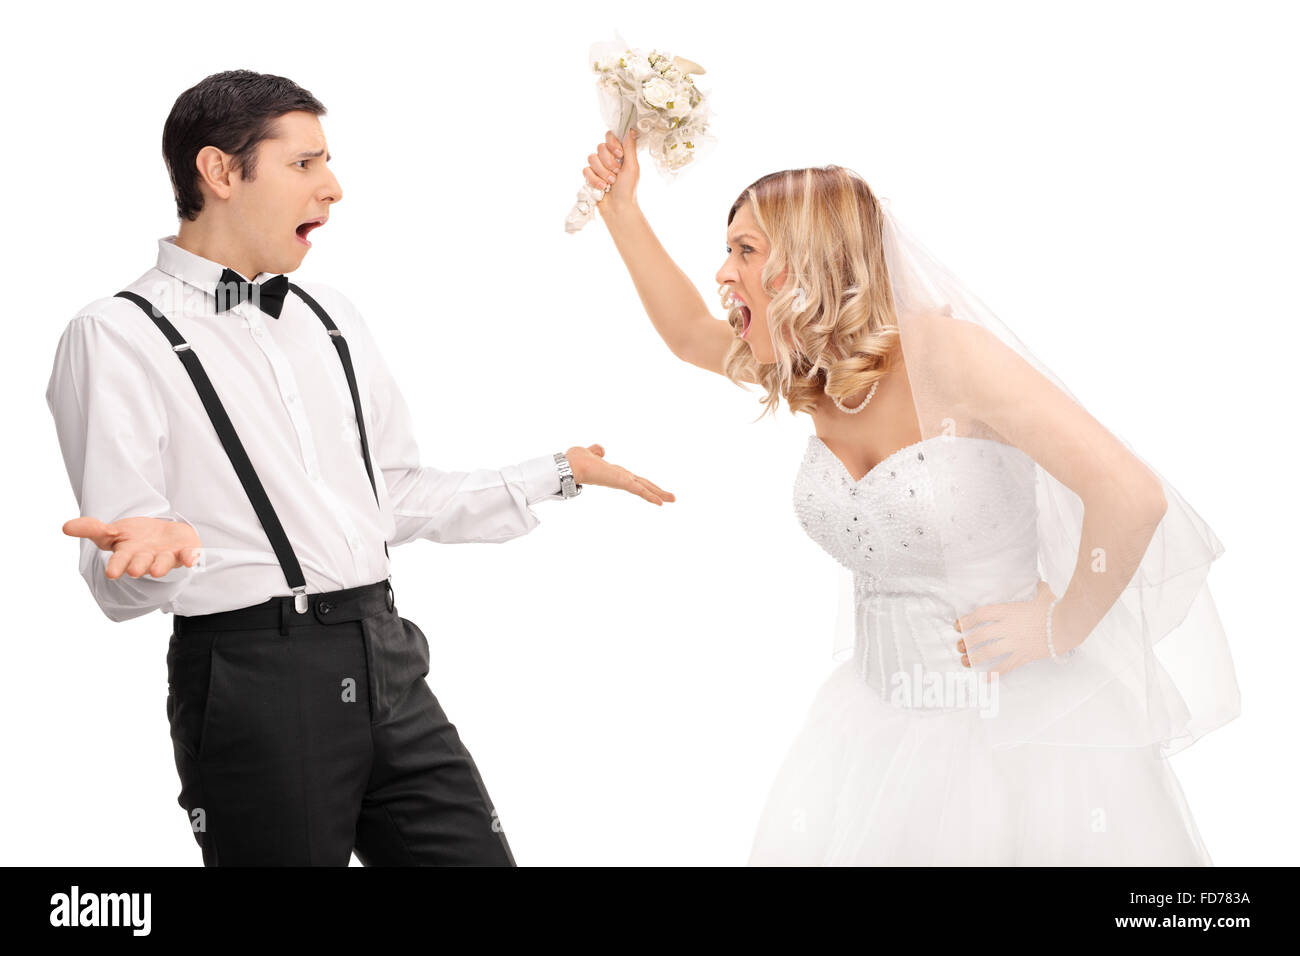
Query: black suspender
(235, 448)
(345, 356)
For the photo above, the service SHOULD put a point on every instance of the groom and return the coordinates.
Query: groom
(239, 449)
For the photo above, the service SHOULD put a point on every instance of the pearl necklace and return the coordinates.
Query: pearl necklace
(853, 411)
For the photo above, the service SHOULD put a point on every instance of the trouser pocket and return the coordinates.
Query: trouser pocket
(189, 707)
(190, 660)
(419, 645)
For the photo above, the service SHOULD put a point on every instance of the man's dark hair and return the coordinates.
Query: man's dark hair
(233, 111)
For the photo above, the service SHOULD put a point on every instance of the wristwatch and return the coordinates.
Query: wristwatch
(568, 487)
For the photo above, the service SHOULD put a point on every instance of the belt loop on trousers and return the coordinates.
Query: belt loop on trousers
(388, 585)
(284, 618)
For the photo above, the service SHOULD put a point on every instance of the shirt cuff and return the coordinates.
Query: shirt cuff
(541, 479)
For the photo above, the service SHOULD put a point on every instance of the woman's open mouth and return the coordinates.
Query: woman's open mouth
(744, 314)
(306, 227)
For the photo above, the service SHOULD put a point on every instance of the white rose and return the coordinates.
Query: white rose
(681, 100)
(657, 93)
(638, 66)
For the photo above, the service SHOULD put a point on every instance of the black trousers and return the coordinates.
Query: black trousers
(301, 738)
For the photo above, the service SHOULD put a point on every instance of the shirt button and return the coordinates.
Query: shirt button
(354, 543)
(292, 397)
(258, 332)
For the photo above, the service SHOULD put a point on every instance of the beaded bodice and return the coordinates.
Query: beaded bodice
(934, 530)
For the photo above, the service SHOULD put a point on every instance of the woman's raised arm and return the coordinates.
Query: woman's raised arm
(675, 306)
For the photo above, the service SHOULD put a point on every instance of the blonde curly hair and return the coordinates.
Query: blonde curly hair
(823, 225)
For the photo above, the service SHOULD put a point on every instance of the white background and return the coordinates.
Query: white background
(1116, 180)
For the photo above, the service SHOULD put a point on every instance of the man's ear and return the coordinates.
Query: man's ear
(215, 171)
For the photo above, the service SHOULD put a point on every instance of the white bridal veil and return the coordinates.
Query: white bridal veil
(1154, 669)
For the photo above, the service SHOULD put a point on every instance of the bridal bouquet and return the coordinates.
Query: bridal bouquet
(654, 92)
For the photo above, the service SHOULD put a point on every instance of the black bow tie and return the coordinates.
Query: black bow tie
(232, 289)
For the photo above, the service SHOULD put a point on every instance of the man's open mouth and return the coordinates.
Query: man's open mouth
(308, 226)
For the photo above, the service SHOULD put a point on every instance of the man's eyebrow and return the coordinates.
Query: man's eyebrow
(309, 155)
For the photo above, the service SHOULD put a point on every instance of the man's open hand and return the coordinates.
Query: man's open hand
(590, 468)
(140, 545)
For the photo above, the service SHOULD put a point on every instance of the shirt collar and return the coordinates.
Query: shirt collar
(193, 269)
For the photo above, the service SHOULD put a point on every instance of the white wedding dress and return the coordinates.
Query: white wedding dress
(873, 778)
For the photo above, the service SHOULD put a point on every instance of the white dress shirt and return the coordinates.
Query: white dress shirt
(137, 441)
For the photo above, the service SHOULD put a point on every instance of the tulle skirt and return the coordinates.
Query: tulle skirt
(866, 783)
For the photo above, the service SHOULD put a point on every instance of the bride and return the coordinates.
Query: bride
(1032, 634)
